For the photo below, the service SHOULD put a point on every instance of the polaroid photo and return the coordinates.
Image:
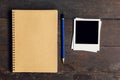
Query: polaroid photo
(86, 35)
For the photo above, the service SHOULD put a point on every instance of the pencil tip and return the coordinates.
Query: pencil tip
(63, 60)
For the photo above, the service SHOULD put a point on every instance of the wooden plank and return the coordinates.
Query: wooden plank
(77, 62)
(110, 31)
(71, 8)
(4, 31)
(107, 60)
(4, 60)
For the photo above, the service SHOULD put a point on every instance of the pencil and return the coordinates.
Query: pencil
(62, 39)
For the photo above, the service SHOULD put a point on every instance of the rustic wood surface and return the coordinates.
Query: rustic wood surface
(79, 65)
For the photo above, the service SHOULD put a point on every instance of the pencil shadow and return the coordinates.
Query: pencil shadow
(61, 32)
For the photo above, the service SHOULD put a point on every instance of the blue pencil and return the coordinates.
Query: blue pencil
(62, 39)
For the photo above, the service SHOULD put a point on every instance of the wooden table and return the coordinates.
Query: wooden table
(79, 65)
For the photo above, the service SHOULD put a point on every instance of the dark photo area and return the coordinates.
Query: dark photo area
(87, 32)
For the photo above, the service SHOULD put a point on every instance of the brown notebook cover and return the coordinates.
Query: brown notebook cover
(34, 40)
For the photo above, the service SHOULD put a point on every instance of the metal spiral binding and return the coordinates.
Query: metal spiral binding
(13, 40)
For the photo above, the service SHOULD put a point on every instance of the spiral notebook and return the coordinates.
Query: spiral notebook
(34, 40)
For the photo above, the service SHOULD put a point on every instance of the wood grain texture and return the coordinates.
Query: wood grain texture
(71, 8)
(110, 31)
(106, 61)
(79, 65)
